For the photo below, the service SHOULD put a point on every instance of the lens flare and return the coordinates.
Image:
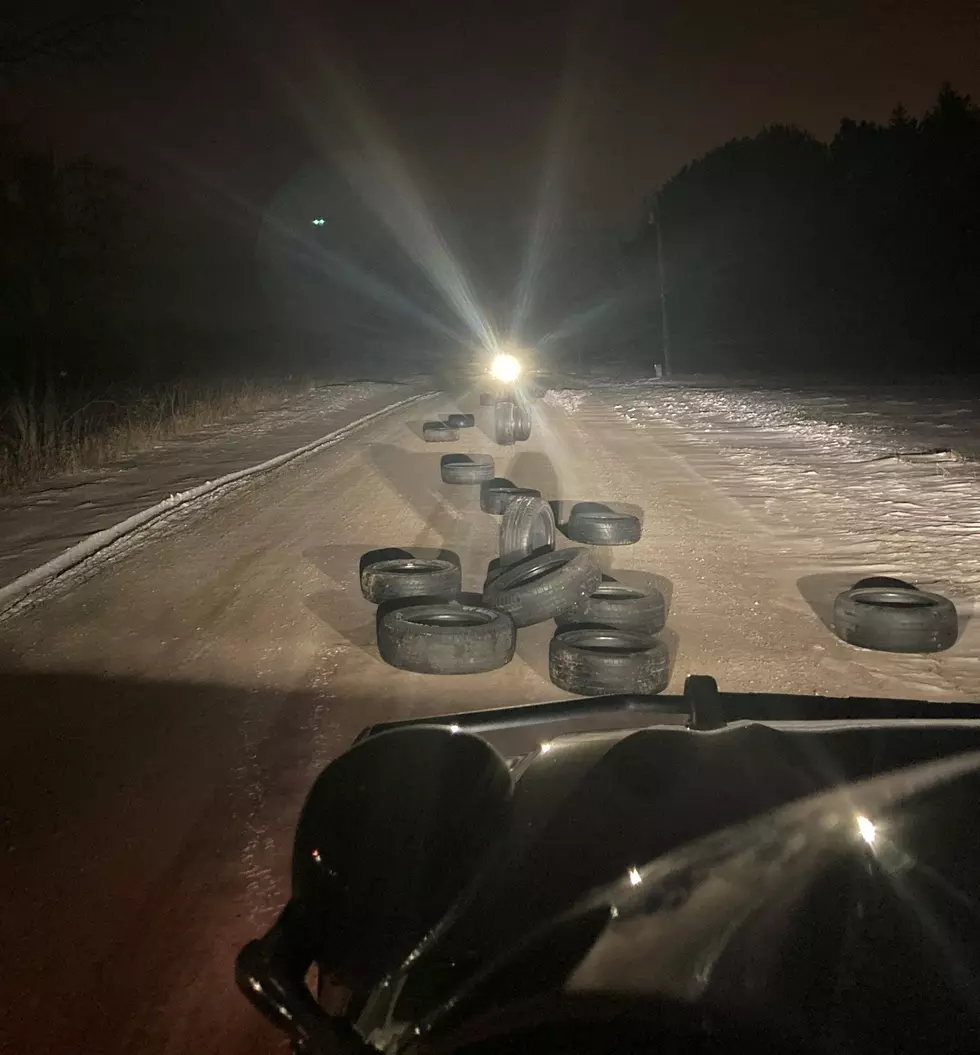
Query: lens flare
(505, 368)
(867, 830)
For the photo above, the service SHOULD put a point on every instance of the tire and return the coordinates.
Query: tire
(603, 528)
(522, 423)
(504, 424)
(460, 421)
(466, 468)
(438, 432)
(543, 587)
(497, 494)
(389, 580)
(487, 399)
(494, 568)
(883, 581)
(527, 528)
(620, 607)
(605, 662)
(895, 620)
(446, 638)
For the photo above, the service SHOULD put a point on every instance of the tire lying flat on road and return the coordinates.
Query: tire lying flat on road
(543, 587)
(505, 424)
(439, 432)
(621, 607)
(389, 580)
(466, 468)
(527, 528)
(497, 494)
(460, 421)
(446, 638)
(600, 662)
(887, 619)
(603, 527)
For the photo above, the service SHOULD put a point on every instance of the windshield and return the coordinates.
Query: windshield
(362, 364)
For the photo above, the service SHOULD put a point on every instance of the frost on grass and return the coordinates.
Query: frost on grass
(888, 480)
(42, 520)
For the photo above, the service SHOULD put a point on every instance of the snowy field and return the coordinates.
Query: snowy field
(840, 482)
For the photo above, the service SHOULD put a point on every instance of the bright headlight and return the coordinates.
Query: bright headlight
(505, 368)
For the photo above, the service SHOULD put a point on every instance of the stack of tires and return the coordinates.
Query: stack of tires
(605, 639)
(422, 625)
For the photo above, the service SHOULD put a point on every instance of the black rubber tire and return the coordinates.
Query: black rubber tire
(466, 468)
(446, 638)
(543, 587)
(497, 494)
(527, 528)
(389, 580)
(595, 528)
(487, 399)
(622, 607)
(494, 568)
(505, 424)
(438, 432)
(604, 662)
(460, 421)
(883, 582)
(895, 620)
(522, 423)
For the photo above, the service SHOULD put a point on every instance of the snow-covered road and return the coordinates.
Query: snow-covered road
(40, 521)
(162, 720)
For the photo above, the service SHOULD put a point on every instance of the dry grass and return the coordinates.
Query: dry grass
(55, 432)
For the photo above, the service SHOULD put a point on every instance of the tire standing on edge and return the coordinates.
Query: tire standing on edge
(466, 468)
(504, 424)
(522, 423)
(895, 620)
(438, 432)
(446, 638)
(622, 607)
(602, 662)
(389, 580)
(527, 528)
(543, 587)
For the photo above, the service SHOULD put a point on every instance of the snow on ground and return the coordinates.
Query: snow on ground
(844, 482)
(847, 473)
(41, 521)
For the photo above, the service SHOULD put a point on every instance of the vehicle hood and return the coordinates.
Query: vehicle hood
(593, 810)
(846, 921)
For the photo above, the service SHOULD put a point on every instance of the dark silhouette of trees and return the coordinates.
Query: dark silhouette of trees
(784, 253)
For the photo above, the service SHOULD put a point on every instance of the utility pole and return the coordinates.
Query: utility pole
(665, 329)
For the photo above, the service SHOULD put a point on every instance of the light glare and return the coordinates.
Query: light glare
(867, 829)
(505, 368)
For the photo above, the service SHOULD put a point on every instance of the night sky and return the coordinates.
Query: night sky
(477, 96)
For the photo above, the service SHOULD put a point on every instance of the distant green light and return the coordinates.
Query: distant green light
(319, 221)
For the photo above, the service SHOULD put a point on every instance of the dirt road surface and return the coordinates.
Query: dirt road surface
(162, 720)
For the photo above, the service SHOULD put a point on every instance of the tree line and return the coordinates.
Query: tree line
(783, 253)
